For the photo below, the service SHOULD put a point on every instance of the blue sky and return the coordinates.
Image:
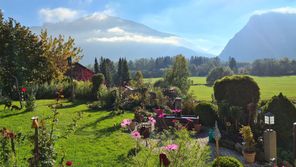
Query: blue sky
(206, 24)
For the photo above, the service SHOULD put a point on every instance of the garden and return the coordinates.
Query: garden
(115, 118)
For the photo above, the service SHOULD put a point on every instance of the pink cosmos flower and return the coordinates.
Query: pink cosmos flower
(189, 120)
(152, 120)
(161, 115)
(158, 111)
(136, 135)
(171, 147)
(125, 123)
(176, 111)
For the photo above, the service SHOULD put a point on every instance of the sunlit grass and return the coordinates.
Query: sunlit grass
(97, 141)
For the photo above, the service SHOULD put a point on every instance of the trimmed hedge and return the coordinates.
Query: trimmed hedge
(226, 161)
(207, 113)
(237, 90)
(285, 115)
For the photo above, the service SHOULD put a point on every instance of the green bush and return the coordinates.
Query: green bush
(285, 115)
(97, 81)
(218, 73)
(160, 83)
(207, 113)
(237, 90)
(226, 161)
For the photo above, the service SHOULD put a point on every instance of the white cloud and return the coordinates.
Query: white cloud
(99, 16)
(116, 30)
(58, 14)
(173, 40)
(284, 10)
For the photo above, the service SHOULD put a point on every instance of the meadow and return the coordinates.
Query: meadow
(98, 140)
(269, 86)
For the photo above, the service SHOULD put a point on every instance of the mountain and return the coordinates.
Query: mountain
(113, 37)
(269, 35)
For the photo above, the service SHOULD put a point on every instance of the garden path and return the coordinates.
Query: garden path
(203, 139)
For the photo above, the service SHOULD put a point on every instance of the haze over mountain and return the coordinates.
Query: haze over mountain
(113, 37)
(266, 35)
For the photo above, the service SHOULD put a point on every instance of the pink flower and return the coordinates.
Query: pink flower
(125, 123)
(152, 120)
(171, 147)
(176, 111)
(158, 111)
(136, 135)
(189, 120)
(161, 115)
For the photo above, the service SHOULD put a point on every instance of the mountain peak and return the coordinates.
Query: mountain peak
(267, 35)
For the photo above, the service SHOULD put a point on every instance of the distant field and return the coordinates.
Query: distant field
(269, 86)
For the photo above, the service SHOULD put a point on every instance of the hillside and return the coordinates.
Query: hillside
(269, 35)
(114, 37)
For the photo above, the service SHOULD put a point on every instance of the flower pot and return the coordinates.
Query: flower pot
(249, 157)
(197, 127)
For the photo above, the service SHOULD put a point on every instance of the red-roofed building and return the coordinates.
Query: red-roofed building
(80, 72)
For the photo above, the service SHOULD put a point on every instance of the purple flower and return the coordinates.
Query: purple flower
(171, 147)
(125, 123)
(136, 135)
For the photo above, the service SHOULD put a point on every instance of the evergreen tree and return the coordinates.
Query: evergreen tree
(96, 66)
(107, 69)
(125, 72)
(232, 64)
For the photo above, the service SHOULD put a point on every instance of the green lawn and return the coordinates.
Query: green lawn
(95, 143)
(269, 86)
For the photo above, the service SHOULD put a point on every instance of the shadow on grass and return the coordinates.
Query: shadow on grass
(13, 114)
(101, 132)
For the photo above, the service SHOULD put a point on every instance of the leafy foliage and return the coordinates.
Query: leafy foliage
(285, 115)
(208, 113)
(226, 161)
(57, 51)
(237, 90)
(178, 74)
(21, 55)
(218, 73)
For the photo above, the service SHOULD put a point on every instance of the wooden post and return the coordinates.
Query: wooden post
(294, 142)
(35, 125)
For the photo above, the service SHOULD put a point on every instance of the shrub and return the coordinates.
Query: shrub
(97, 80)
(83, 90)
(207, 113)
(285, 115)
(226, 161)
(237, 90)
(160, 83)
(189, 105)
(218, 73)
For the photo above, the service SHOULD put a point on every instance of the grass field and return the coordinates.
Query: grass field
(95, 143)
(269, 86)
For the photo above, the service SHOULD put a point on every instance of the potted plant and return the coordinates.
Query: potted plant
(249, 152)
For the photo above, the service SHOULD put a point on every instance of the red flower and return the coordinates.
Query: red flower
(24, 90)
(174, 120)
(69, 163)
